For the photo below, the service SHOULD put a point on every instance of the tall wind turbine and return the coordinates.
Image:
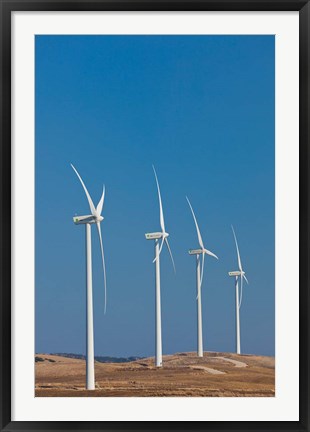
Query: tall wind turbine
(238, 274)
(199, 252)
(94, 218)
(163, 235)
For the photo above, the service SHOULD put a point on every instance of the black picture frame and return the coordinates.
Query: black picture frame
(9, 6)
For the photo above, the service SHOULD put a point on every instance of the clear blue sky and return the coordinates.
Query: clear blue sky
(201, 109)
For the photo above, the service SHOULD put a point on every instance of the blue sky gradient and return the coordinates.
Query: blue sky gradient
(201, 109)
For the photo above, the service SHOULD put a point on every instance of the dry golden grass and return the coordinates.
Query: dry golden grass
(182, 374)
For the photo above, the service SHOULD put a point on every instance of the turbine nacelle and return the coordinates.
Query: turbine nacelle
(88, 219)
(195, 251)
(156, 235)
(234, 273)
(201, 251)
(238, 273)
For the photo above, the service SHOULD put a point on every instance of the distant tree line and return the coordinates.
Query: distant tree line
(101, 359)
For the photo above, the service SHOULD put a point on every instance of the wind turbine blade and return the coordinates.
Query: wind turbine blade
(246, 279)
(103, 266)
(202, 267)
(167, 243)
(210, 253)
(90, 202)
(239, 260)
(160, 248)
(100, 204)
(161, 214)
(241, 291)
(197, 227)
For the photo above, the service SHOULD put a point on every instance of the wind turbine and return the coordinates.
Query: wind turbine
(156, 236)
(198, 252)
(238, 274)
(94, 218)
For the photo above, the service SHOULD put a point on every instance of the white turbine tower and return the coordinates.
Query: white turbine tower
(198, 252)
(94, 218)
(156, 236)
(238, 274)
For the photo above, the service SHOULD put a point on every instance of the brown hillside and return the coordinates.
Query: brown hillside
(182, 374)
